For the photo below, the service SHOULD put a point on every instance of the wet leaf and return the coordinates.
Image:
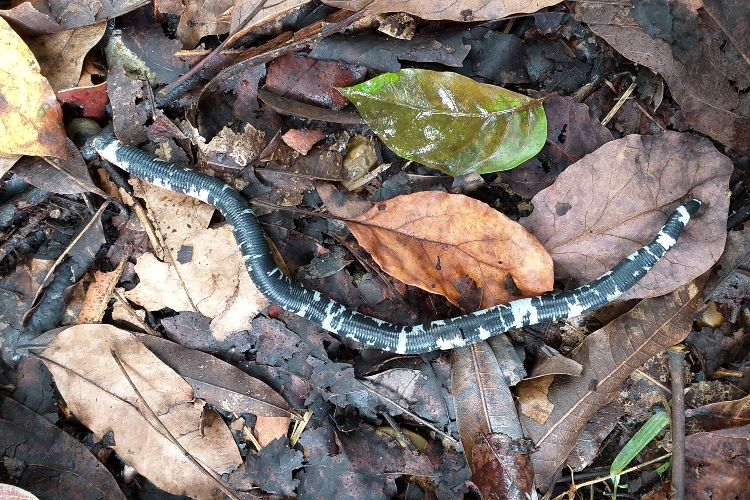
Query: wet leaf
(554, 412)
(433, 240)
(30, 117)
(450, 122)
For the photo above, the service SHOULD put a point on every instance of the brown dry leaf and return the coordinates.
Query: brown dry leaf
(38, 18)
(434, 240)
(53, 461)
(268, 429)
(209, 275)
(447, 9)
(613, 201)
(201, 18)
(30, 117)
(69, 176)
(721, 415)
(608, 356)
(706, 68)
(220, 383)
(484, 403)
(103, 399)
(716, 464)
(243, 9)
(61, 54)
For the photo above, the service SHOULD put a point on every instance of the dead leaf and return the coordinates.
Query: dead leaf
(502, 468)
(69, 176)
(610, 203)
(103, 399)
(30, 117)
(220, 383)
(447, 9)
(209, 274)
(61, 54)
(92, 100)
(725, 414)
(572, 133)
(40, 18)
(52, 460)
(145, 38)
(201, 18)
(433, 239)
(484, 403)
(716, 463)
(608, 356)
(704, 72)
(312, 80)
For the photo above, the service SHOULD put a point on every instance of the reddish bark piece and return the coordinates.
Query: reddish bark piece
(302, 140)
(613, 201)
(312, 80)
(716, 464)
(92, 100)
(30, 117)
(432, 239)
(555, 416)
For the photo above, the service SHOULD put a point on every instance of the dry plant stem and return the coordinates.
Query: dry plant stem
(168, 434)
(676, 357)
(626, 471)
(618, 105)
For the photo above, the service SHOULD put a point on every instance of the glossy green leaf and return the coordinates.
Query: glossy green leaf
(450, 122)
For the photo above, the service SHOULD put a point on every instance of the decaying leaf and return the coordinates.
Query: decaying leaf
(95, 386)
(208, 273)
(450, 122)
(613, 201)
(30, 117)
(52, 460)
(706, 66)
(433, 240)
(220, 383)
(61, 54)
(446, 9)
(716, 463)
(608, 356)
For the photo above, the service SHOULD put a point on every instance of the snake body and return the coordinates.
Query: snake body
(337, 318)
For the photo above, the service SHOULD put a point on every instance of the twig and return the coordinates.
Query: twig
(676, 357)
(619, 103)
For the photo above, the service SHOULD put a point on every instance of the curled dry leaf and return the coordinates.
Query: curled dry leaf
(101, 396)
(450, 122)
(555, 410)
(614, 200)
(433, 239)
(61, 54)
(30, 117)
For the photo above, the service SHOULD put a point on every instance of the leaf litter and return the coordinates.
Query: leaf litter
(190, 285)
